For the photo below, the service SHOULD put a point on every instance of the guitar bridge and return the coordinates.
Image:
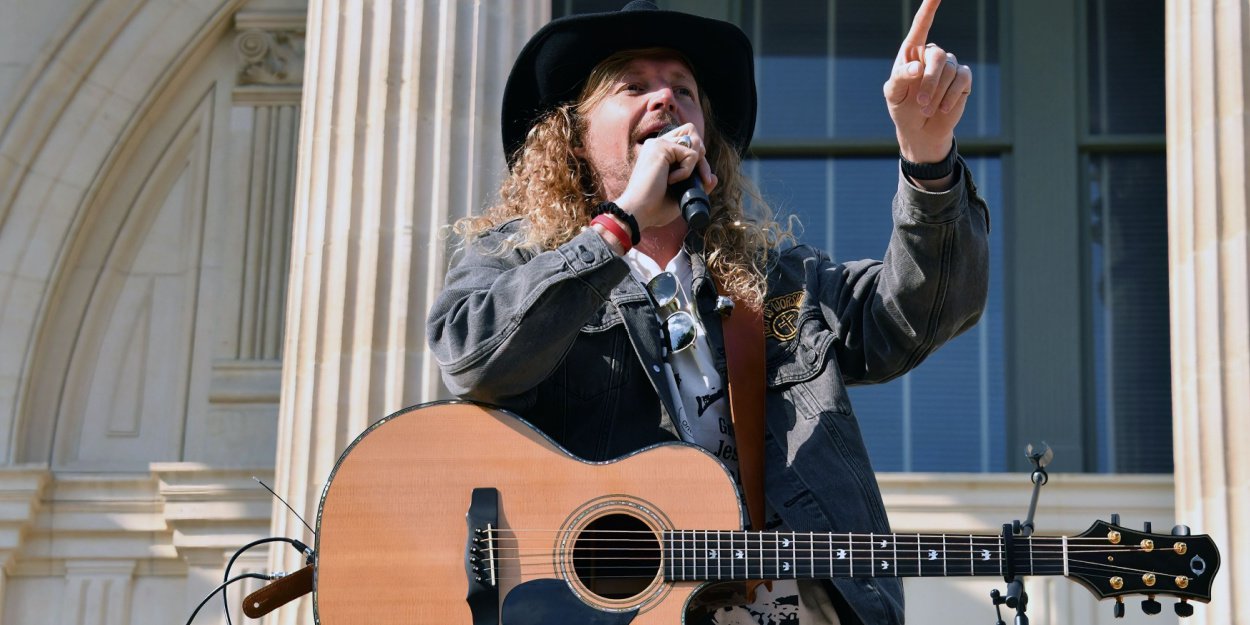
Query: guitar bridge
(480, 557)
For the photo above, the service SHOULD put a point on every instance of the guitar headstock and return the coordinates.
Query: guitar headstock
(1112, 561)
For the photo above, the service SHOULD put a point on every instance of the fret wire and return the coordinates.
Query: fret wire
(776, 554)
(683, 555)
(831, 555)
(1065, 556)
(830, 536)
(851, 543)
(734, 546)
(761, 556)
(811, 553)
(794, 552)
(694, 554)
(745, 561)
(1000, 555)
(872, 555)
(1030, 539)
(701, 555)
(1001, 550)
(919, 562)
(679, 565)
(894, 544)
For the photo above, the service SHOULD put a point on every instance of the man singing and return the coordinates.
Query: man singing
(585, 303)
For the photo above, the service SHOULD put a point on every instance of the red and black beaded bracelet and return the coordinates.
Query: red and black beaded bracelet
(608, 208)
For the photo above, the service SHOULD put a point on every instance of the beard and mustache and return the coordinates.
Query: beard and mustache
(619, 171)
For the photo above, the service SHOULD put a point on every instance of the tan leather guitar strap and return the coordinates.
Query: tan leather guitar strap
(743, 330)
(279, 593)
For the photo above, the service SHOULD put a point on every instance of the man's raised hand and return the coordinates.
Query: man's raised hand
(926, 93)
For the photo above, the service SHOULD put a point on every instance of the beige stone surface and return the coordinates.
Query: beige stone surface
(1208, 72)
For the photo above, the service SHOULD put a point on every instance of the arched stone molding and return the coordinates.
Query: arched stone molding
(71, 126)
(161, 299)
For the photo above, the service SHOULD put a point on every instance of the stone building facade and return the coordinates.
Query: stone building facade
(220, 227)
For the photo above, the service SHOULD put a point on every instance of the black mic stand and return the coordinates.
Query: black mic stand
(1016, 598)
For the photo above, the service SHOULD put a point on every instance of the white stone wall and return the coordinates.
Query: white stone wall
(147, 155)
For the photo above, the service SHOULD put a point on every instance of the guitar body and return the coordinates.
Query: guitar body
(392, 532)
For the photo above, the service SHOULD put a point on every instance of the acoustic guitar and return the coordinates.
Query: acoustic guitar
(452, 513)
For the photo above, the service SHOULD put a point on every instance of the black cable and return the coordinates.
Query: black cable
(223, 587)
(225, 602)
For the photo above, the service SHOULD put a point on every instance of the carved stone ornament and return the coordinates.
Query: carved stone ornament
(270, 57)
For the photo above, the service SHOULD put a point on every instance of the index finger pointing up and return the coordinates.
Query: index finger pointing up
(919, 33)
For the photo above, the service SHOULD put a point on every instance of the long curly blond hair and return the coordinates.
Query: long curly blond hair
(555, 190)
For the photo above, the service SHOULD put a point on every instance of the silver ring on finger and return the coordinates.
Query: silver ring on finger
(684, 141)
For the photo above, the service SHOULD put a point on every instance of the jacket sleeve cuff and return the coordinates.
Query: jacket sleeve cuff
(934, 207)
(592, 260)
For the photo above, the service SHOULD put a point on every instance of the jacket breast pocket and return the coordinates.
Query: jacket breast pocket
(809, 360)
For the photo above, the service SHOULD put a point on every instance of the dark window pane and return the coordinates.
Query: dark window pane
(949, 414)
(1129, 281)
(868, 36)
(958, 410)
(1125, 66)
(793, 66)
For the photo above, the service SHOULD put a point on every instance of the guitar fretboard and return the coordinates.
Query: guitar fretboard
(735, 555)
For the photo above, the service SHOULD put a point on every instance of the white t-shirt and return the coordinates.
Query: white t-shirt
(703, 419)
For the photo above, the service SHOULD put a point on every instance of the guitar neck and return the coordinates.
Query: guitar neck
(710, 555)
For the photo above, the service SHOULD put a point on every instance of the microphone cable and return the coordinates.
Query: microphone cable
(227, 580)
(308, 555)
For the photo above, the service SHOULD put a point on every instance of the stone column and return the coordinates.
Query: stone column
(399, 135)
(1208, 74)
(98, 592)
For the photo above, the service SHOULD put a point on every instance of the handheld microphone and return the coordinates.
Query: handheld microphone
(691, 198)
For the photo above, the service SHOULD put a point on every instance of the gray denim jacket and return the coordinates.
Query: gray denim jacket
(564, 340)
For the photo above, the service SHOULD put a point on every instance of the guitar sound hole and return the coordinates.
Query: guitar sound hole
(616, 556)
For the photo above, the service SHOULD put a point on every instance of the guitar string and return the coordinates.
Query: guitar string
(655, 571)
(825, 546)
(798, 558)
(805, 536)
(810, 550)
(651, 545)
(813, 548)
(806, 554)
(972, 563)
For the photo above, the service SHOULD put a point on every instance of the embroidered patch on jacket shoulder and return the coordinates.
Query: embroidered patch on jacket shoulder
(781, 316)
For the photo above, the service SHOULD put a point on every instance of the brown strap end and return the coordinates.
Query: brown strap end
(754, 584)
(281, 592)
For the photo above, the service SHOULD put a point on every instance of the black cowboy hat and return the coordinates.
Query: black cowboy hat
(554, 65)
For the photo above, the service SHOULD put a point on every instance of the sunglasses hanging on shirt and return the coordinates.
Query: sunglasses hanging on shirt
(679, 326)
